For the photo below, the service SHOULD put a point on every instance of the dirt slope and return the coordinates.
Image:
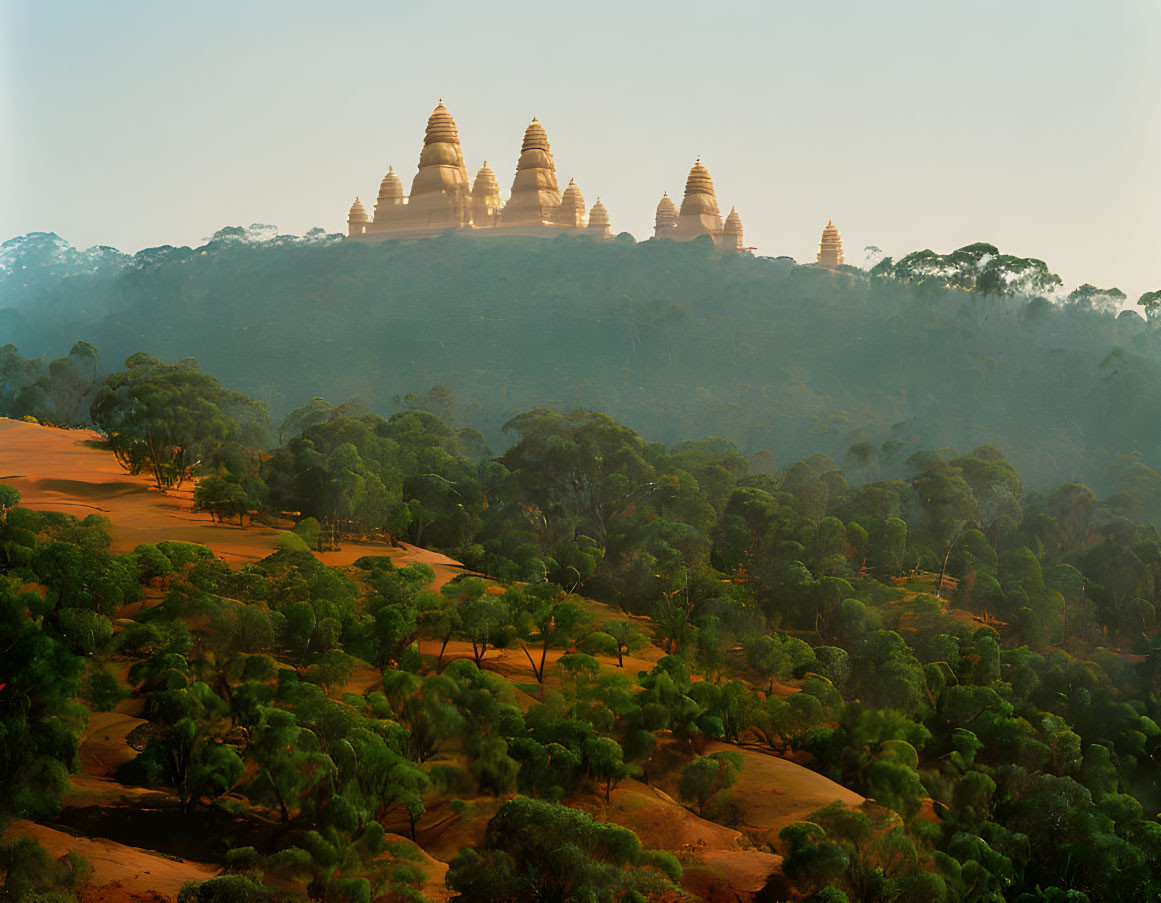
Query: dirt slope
(60, 470)
(120, 873)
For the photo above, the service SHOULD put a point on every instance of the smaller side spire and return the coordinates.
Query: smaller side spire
(571, 212)
(732, 232)
(357, 218)
(390, 195)
(485, 198)
(599, 222)
(665, 223)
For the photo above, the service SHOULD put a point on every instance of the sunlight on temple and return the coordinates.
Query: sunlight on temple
(699, 214)
(830, 249)
(442, 198)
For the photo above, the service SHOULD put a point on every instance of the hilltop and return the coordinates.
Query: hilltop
(674, 340)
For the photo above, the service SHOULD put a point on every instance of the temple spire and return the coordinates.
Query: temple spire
(732, 232)
(599, 222)
(535, 197)
(571, 212)
(665, 222)
(830, 249)
(357, 218)
(440, 194)
(485, 198)
(699, 213)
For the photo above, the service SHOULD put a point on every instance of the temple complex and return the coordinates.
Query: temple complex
(442, 197)
(699, 214)
(830, 249)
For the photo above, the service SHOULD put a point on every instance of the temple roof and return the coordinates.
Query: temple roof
(441, 127)
(391, 186)
(535, 196)
(535, 138)
(733, 222)
(699, 208)
(699, 180)
(598, 216)
(358, 213)
(666, 205)
(486, 182)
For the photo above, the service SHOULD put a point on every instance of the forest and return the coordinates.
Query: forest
(964, 649)
(674, 340)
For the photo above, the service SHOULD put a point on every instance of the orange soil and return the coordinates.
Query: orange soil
(772, 792)
(120, 873)
(434, 871)
(715, 862)
(56, 470)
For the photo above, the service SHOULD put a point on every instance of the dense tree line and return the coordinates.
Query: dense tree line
(980, 661)
(672, 339)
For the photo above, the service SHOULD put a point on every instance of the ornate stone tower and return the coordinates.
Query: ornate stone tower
(830, 249)
(485, 199)
(571, 212)
(357, 219)
(440, 194)
(665, 224)
(731, 238)
(699, 208)
(535, 196)
(599, 222)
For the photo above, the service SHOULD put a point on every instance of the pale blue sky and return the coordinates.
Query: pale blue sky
(1033, 124)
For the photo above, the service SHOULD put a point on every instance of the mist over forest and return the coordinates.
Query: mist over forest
(675, 340)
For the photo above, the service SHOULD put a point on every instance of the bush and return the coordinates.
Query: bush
(102, 690)
(292, 543)
(226, 889)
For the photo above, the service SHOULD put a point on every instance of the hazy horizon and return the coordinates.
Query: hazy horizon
(909, 126)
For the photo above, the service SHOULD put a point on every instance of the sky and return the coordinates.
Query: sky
(1031, 124)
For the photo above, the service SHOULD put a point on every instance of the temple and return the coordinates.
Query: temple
(442, 198)
(830, 249)
(699, 214)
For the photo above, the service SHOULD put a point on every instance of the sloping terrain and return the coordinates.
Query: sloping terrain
(144, 858)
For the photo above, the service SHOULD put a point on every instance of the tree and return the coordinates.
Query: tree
(39, 720)
(539, 851)
(1151, 302)
(482, 617)
(605, 761)
(164, 418)
(547, 620)
(704, 779)
(626, 638)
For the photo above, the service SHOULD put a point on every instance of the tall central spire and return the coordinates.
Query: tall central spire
(535, 195)
(699, 209)
(440, 194)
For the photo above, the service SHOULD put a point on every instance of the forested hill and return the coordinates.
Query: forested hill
(674, 340)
